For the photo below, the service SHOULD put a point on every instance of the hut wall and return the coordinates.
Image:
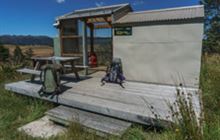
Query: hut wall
(164, 54)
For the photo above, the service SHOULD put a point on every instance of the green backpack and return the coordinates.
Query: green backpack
(50, 78)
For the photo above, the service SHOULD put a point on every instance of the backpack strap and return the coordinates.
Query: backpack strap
(40, 92)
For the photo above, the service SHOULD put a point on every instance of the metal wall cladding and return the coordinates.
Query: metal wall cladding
(163, 54)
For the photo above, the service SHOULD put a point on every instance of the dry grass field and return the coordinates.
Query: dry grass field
(37, 50)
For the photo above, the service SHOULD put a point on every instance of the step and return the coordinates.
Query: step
(43, 128)
(99, 123)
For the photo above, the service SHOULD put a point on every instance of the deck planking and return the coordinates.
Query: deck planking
(133, 103)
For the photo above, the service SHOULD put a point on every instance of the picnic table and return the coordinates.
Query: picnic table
(39, 61)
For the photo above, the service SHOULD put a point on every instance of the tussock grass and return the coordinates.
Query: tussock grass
(16, 111)
(188, 125)
(210, 85)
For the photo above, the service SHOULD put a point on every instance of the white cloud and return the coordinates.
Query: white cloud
(60, 1)
(138, 2)
(99, 4)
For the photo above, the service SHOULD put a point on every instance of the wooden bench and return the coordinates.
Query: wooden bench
(76, 66)
(29, 71)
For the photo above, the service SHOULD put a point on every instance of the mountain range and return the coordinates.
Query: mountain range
(26, 40)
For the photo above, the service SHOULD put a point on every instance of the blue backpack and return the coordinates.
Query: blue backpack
(114, 73)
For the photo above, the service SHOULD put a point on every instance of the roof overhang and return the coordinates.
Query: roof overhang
(93, 12)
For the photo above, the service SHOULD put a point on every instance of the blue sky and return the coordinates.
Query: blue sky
(35, 17)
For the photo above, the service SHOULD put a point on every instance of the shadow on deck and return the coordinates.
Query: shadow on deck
(134, 103)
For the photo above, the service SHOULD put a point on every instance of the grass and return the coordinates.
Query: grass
(187, 124)
(210, 85)
(38, 50)
(16, 111)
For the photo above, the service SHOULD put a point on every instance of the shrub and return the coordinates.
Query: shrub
(4, 53)
(188, 124)
(8, 72)
(29, 53)
(18, 55)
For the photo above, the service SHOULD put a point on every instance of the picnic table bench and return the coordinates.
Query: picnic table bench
(39, 61)
(29, 71)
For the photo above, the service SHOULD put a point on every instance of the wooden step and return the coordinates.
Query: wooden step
(43, 128)
(99, 123)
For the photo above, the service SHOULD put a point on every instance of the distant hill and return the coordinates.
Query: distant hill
(26, 40)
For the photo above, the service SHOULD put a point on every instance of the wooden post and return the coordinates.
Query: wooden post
(84, 45)
(61, 39)
(112, 43)
(92, 37)
(112, 38)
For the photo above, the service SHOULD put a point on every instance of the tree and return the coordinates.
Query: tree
(18, 55)
(4, 53)
(29, 53)
(212, 26)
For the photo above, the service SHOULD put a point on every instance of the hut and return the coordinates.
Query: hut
(156, 46)
(159, 49)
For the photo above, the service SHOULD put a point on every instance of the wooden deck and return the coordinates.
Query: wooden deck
(133, 103)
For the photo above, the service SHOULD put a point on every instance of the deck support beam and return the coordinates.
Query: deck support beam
(84, 45)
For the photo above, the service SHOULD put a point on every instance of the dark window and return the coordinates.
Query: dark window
(70, 45)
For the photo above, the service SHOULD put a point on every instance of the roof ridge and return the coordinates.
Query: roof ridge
(167, 9)
(113, 7)
(102, 7)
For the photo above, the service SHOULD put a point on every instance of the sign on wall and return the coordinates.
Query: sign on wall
(123, 31)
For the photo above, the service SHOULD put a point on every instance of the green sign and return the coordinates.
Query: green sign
(123, 31)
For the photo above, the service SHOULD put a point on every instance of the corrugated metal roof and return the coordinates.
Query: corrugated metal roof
(104, 10)
(189, 12)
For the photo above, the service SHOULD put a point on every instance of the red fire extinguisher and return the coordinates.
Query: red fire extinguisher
(92, 59)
